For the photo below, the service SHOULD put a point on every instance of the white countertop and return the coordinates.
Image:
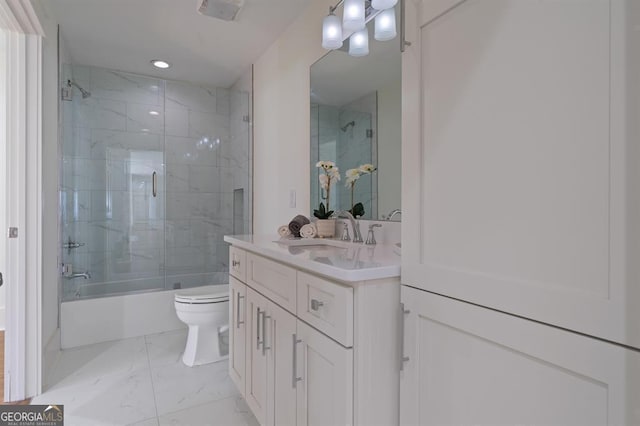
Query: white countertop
(339, 260)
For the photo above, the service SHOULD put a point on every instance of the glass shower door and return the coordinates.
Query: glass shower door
(113, 184)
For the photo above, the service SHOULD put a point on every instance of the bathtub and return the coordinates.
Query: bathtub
(89, 321)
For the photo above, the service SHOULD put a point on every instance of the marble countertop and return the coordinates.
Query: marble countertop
(335, 259)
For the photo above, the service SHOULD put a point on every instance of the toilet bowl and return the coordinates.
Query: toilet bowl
(206, 311)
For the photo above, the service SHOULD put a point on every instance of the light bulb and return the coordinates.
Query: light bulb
(353, 15)
(359, 43)
(331, 32)
(385, 25)
(383, 4)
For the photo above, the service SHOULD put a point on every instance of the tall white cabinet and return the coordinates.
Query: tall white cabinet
(521, 163)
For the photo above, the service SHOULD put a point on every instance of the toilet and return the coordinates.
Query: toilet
(206, 311)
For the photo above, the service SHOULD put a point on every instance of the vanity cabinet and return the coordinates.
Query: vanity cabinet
(316, 351)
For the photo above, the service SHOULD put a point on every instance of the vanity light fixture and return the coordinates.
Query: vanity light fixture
(159, 63)
(356, 14)
(385, 28)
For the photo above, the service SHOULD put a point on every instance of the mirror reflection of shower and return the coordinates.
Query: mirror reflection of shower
(85, 93)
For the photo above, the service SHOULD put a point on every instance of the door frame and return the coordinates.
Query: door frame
(23, 348)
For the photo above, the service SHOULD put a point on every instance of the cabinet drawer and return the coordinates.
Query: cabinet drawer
(274, 280)
(237, 263)
(327, 306)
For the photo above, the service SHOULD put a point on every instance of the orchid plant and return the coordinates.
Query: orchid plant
(329, 175)
(352, 176)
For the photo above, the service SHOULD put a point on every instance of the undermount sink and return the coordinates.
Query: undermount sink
(315, 242)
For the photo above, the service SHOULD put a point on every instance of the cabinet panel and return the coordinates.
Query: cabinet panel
(325, 393)
(237, 263)
(256, 383)
(327, 306)
(515, 168)
(237, 334)
(279, 340)
(273, 279)
(471, 365)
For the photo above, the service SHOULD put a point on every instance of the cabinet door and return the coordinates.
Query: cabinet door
(472, 365)
(520, 162)
(237, 334)
(325, 392)
(256, 383)
(281, 329)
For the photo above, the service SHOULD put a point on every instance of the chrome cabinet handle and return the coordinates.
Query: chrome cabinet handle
(295, 378)
(154, 184)
(265, 317)
(235, 263)
(403, 358)
(238, 322)
(316, 304)
(258, 341)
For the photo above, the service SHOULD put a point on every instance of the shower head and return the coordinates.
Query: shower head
(85, 94)
(346, 126)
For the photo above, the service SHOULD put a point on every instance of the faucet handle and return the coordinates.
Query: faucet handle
(371, 238)
(345, 233)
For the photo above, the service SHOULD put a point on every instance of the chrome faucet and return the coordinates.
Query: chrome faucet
(392, 213)
(371, 238)
(85, 275)
(357, 236)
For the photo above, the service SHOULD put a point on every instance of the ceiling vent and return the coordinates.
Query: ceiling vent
(227, 10)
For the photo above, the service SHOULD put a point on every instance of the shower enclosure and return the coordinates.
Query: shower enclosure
(346, 135)
(154, 173)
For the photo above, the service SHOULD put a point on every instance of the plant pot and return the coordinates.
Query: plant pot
(326, 228)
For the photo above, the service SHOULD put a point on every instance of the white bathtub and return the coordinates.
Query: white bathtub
(88, 321)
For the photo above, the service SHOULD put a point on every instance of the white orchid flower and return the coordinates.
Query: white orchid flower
(326, 165)
(367, 168)
(352, 176)
(324, 181)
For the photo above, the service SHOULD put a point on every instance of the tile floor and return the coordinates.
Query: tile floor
(142, 381)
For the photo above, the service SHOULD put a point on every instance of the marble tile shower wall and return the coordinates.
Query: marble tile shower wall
(113, 141)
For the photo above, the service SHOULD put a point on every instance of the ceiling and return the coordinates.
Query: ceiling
(126, 34)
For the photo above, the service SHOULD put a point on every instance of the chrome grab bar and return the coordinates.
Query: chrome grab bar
(238, 322)
(295, 378)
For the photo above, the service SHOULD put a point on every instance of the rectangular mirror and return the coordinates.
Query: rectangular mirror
(356, 120)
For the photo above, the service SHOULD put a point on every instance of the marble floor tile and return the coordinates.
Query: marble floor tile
(166, 348)
(90, 363)
(178, 387)
(116, 399)
(231, 411)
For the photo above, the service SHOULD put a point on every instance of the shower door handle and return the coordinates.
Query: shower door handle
(154, 184)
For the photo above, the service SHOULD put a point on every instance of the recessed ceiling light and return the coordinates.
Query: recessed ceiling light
(154, 113)
(159, 63)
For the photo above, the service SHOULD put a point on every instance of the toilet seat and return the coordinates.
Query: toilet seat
(195, 298)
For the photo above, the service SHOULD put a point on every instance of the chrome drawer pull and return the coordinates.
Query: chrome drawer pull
(238, 322)
(316, 304)
(235, 263)
(295, 379)
(403, 358)
(258, 341)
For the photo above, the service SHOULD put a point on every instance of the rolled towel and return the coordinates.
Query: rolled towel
(297, 223)
(308, 231)
(284, 231)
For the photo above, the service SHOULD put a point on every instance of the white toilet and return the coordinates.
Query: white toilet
(206, 311)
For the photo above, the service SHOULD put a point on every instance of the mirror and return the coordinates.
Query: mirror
(356, 120)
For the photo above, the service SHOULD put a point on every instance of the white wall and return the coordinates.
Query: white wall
(50, 167)
(389, 147)
(3, 159)
(281, 120)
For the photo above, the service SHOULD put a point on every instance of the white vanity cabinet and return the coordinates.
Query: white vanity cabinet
(316, 351)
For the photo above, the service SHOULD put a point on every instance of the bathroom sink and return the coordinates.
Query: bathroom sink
(314, 242)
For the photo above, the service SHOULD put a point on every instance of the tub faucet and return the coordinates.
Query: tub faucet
(357, 236)
(85, 275)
